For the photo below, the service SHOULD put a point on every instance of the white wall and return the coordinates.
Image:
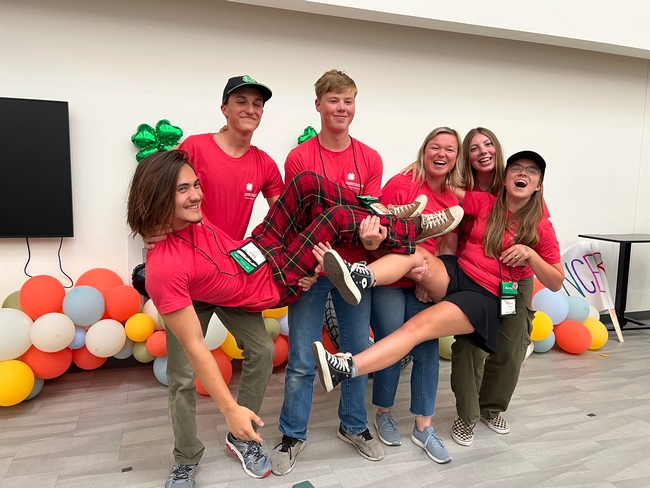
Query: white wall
(120, 64)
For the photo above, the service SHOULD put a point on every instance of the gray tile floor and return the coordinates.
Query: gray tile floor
(576, 421)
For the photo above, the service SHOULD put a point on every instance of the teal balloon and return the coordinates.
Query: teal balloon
(84, 305)
(544, 345)
(578, 309)
(126, 351)
(160, 369)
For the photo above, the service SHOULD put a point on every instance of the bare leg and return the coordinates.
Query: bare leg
(441, 320)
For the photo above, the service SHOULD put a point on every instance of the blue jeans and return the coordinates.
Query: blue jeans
(305, 327)
(391, 307)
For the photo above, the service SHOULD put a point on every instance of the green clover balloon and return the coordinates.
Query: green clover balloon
(150, 140)
(308, 133)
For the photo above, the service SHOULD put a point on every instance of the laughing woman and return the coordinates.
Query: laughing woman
(509, 241)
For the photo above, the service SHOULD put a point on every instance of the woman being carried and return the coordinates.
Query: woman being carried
(510, 240)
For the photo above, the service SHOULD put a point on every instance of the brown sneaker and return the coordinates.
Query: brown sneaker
(439, 223)
(412, 209)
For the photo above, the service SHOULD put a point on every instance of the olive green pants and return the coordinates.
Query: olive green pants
(251, 336)
(484, 383)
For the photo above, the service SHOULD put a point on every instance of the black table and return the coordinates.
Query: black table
(625, 242)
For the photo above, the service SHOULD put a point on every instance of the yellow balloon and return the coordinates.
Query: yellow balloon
(444, 347)
(598, 331)
(16, 382)
(139, 327)
(229, 346)
(141, 354)
(275, 313)
(542, 326)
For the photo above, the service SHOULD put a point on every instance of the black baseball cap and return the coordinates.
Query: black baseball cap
(245, 80)
(532, 155)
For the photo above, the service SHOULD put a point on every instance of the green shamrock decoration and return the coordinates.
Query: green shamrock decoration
(150, 140)
(308, 133)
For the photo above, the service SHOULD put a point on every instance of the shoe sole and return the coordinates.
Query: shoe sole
(318, 351)
(457, 214)
(418, 443)
(292, 465)
(495, 429)
(231, 447)
(338, 274)
(461, 441)
(398, 443)
(363, 454)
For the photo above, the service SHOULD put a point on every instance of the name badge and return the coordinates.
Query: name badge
(249, 257)
(508, 306)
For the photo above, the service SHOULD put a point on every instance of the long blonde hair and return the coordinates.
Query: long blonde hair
(525, 221)
(455, 176)
(469, 173)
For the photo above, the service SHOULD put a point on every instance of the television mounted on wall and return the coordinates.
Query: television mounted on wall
(35, 169)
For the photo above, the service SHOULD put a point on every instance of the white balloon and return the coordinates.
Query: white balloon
(216, 333)
(529, 350)
(593, 312)
(15, 326)
(150, 309)
(105, 338)
(52, 332)
(284, 324)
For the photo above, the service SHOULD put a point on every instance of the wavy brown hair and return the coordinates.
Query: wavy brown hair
(455, 176)
(523, 222)
(469, 173)
(152, 194)
(334, 81)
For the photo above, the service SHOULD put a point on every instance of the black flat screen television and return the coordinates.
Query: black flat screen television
(35, 170)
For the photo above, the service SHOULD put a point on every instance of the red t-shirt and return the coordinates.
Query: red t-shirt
(179, 271)
(488, 272)
(231, 185)
(359, 168)
(401, 190)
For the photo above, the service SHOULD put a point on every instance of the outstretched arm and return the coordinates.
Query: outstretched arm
(185, 325)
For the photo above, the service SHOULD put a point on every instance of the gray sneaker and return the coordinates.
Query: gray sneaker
(283, 456)
(431, 443)
(254, 461)
(365, 443)
(181, 476)
(387, 429)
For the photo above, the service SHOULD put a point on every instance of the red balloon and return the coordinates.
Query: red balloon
(572, 336)
(225, 366)
(157, 343)
(40, 295)
(47, 365)
(281, 347)
(85, 360)
(327, 343)
(122, 302)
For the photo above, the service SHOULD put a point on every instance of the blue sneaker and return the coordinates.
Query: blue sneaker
(431, 443)
(387, 429)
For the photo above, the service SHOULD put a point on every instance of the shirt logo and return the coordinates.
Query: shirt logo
(351, 176)
(249, 186)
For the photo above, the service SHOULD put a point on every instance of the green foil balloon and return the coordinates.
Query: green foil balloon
(150, 140)
(308, 133)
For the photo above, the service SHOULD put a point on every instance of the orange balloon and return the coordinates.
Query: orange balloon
(537, 285)
(327, 343)
(47, 365)
(85, 360)
(572, 336)
(122, 302)
(281, 347)
(157, 343)
(225, 366)
(40, 295)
